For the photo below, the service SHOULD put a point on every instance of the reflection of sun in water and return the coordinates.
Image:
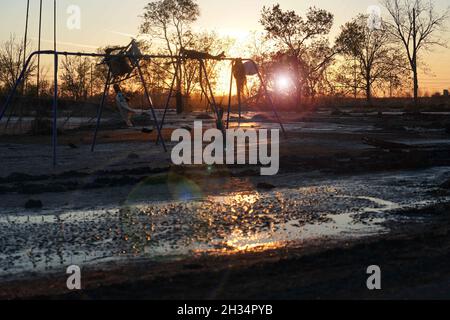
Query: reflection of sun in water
(243, 200)
(241, 240)
(238, 242)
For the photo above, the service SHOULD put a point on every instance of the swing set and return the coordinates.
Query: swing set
(126, 62)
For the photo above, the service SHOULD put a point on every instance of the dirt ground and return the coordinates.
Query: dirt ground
(384, 175)
(414, 266)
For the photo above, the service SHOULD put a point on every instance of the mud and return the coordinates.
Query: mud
(126, 207)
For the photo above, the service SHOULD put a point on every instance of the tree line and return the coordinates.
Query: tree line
(367, 58)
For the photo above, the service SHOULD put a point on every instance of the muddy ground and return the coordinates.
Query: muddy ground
(354, 189)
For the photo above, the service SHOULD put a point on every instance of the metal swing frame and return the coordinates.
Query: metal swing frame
(211, 98)
(135, 60)
(132, 54)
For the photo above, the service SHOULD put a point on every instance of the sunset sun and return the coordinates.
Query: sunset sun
(283, 82)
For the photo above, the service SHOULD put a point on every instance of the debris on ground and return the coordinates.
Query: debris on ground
(133, 156)
(387, 145)
(72, 146)
(204, 116)
(265, 186)
(33, 204)
(146, 130)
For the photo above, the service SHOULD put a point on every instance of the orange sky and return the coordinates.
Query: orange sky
(106, 22)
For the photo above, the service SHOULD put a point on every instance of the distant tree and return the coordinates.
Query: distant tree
(416, 25)
(75, 77)
(302, 42)
(316, 64)
(371, 54)
(11, 63)
(259, 49)
(169, 21)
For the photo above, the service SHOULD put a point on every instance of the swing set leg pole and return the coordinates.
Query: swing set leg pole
(202, 66)
(229, 98)
(55, 110)
(240, 106)
(15, 87)
(166, 108)
(204, 93)
(266, 91)
(100, 110)
(150, 103)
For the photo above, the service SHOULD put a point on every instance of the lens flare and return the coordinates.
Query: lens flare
(184, 189)
(283, 82)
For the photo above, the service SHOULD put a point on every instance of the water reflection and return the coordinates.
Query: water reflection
(238, 222)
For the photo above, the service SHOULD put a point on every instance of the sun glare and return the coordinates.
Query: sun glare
(283, 82)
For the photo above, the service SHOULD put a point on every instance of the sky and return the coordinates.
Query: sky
(110, 22)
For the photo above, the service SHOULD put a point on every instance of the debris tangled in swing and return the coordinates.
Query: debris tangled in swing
(194, 54)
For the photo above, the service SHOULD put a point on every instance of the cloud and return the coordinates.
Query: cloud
(70, 44)
(128, 35)
(133, 36)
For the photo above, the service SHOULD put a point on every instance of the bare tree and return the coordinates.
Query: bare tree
(302, 42)
(259, 49)
(316, 64)
(169, 21)
(75, 77)
(371, 54)
(11, 63)
(416, 25)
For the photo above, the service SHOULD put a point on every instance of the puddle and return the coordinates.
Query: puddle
(342, 208)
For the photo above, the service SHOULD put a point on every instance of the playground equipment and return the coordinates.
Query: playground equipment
(240, 69)
(122, 63)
